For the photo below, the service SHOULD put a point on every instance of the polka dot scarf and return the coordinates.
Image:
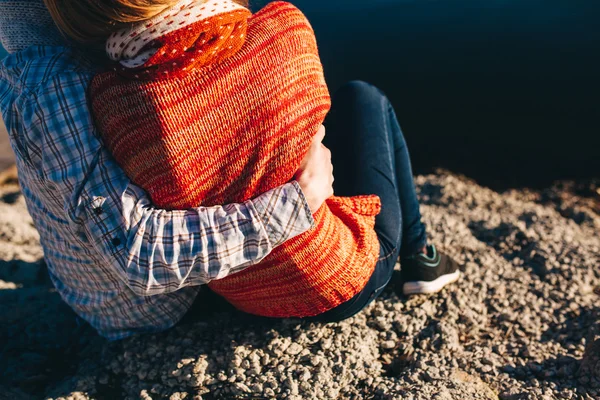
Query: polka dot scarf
(185, 37)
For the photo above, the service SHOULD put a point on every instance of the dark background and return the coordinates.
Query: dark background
(504, 91)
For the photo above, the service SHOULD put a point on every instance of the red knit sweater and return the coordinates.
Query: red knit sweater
(225, 110)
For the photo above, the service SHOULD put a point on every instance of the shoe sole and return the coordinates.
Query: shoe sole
(424, 287)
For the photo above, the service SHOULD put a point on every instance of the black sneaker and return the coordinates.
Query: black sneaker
(427, 273)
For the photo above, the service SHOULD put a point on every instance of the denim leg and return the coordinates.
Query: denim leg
(361, 141)
(370, 156)
(414, 235)
(368, 149)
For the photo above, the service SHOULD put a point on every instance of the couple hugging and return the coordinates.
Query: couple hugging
(192, 151)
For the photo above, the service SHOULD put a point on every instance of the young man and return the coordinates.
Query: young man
(120, 263)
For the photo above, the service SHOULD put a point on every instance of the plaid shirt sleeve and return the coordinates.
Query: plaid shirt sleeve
(154, 251)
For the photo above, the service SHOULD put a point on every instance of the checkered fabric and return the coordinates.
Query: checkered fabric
(120, 263)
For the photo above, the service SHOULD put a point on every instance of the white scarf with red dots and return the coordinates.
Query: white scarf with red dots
(131, 47)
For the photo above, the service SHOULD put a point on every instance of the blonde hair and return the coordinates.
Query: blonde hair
(92, 21)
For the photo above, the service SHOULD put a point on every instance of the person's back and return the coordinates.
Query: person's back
(219, 107)
(222, 108)
(122, 264)
(49, 169)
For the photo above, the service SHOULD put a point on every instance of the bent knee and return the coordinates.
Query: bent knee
(360, 88)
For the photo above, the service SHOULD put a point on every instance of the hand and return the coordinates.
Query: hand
(315, 175)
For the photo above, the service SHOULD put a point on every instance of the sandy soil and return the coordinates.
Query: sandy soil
(7, 156)
(521, 324)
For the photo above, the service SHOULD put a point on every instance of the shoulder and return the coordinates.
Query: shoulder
(281, 6)
(35, 67)
(283, 22)
(280, 12)
(43, 98)
(45, 87)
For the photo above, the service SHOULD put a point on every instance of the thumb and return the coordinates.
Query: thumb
(320, 135)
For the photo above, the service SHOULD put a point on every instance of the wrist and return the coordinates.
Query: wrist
(303, 199)
(284, 212)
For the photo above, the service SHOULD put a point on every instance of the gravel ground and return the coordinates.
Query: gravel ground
(523, 322)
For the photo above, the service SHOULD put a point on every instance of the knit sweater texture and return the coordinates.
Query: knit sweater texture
(17, 29)
(220, 111)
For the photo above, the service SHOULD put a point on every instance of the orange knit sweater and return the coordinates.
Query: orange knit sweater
(225, 110)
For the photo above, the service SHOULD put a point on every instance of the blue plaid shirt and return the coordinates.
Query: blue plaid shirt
(120, 263)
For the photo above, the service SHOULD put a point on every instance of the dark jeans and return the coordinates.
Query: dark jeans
(370, 156)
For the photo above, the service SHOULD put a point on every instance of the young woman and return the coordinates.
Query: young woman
(177, 117)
